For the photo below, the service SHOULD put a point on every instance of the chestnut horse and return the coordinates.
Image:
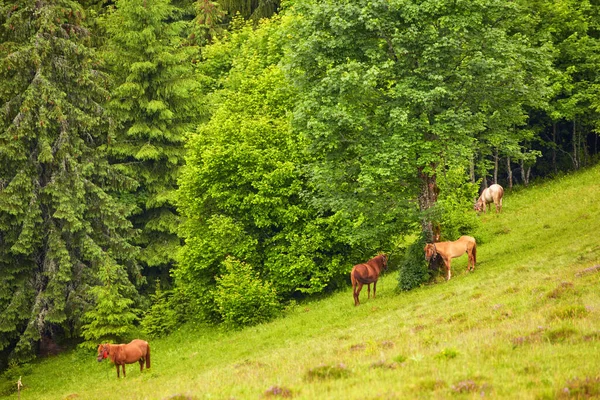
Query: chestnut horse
(490, 195)
(121, 354)
(365, 274)
(450, 250)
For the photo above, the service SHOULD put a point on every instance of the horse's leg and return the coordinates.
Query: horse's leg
(368, 290)
(374, 288)
(357, 292)
(141, 361)
(123, 370)
(118, 372)
(448, 268)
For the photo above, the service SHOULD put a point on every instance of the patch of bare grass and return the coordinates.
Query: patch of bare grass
(382, 364)
(431, 385)
(277, 391)
(560, 290)
(586, 388)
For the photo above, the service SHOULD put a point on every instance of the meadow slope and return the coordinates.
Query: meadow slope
(524, 325)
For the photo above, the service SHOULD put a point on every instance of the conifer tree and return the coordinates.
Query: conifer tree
(58, 223)
(155, 105)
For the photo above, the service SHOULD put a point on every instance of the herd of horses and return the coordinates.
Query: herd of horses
(367, 273)
(362, 274)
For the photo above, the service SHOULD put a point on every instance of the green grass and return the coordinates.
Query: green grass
(524, 325)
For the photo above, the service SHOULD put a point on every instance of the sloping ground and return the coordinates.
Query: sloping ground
(524, 325)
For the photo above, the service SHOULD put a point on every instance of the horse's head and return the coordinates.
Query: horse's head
(430, 251)
(103, 350)
(384, 257)
(478, 205)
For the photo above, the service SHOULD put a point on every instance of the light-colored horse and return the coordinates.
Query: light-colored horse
(450, 250)
(490, 195)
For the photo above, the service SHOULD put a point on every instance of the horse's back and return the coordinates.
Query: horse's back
(363, 273)
(468, 239)
(494, 193)
(136, 349)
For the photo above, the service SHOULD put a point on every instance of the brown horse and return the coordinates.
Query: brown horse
(121, 354)
(450, 250)
(493, 194)
(365, 274)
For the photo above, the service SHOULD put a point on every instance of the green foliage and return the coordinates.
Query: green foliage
(454, 209)
(155, 104)
(243, 191)
(392, 95)
(58, 219)
(111, 320)
(413, 269)
(242, 298)
(164, 315)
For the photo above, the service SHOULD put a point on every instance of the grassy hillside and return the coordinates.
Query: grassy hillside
(524, 325)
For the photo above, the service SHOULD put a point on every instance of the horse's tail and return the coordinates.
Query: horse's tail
(474, 254)
(353, 280)
(147, 356)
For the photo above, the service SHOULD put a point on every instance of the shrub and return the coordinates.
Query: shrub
(242, 298)
(164, 315)
(413, 267)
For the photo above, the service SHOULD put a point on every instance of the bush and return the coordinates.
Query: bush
(164, 315)
(242, 298)
(413, 267)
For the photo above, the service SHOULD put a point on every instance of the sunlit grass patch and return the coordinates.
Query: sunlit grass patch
(569, 312)
(447, 354)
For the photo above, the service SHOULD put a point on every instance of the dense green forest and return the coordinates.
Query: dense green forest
(218, 160)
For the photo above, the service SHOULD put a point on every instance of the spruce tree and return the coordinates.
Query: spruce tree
(59, 224)
(155, 104)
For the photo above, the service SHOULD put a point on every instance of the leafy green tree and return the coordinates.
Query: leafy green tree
(243, 191)
(571, 119)
(155, 103)
(59, 224)
(394, 94)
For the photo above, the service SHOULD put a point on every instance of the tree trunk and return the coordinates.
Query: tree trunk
(524, 175)
(427, 199)
(510, 175)
(496, 165)
(575, 147)
(554, 148)
(472, 170)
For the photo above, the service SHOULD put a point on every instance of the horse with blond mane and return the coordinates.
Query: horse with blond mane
(120, 354)
(365, 274)
(450, 250)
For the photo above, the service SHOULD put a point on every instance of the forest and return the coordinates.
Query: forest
(168, 161)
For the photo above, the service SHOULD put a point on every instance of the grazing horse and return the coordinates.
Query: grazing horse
(450, 250)
(367, 273)
(121, 354)
(493, 194)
